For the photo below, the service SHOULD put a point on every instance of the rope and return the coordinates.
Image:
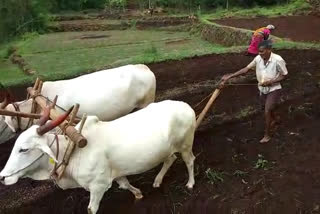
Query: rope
(55, 105)
(202, 100)
(229, 84)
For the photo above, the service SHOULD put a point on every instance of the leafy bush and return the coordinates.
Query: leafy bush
(79, 4)
(20, 16)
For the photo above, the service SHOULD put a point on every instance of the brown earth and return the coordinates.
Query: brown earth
(104, 25)
(296, 28)
(87, 25)
(227, 142)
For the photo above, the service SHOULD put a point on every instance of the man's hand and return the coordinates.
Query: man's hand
(224, 79)
(266, 83)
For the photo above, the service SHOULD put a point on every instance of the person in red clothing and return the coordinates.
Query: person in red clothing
(258, 36)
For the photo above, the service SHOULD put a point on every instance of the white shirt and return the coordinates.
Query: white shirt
(269, 71)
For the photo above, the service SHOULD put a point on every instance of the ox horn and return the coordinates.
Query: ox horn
(54, 123)
(46, 114)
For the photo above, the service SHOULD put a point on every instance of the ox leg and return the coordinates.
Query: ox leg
(124, 184)
(166, 165)
(96, 195)
(188, 158)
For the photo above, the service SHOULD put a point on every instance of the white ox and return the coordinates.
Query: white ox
(108, 94)
(129, 145)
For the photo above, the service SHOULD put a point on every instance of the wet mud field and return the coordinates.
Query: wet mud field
(296, 28)
(233, 172)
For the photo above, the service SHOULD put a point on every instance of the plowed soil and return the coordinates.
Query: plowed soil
(296, 28)
(234, 173)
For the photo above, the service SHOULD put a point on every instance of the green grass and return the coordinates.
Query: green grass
(279, 10)
(63, 55)
(286, 44)
(9, 73)
(67, 41)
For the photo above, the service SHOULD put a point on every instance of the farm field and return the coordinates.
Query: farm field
(228, 174)
(233, 172)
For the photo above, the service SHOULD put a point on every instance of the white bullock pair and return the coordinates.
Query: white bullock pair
(129, 145)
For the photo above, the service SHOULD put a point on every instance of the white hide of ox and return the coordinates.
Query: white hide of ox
(108, 94)
(129, 145)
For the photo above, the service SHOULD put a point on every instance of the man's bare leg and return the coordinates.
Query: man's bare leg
(269, 120)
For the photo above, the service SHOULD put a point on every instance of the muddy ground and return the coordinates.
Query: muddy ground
(296, 28)
(287, 179)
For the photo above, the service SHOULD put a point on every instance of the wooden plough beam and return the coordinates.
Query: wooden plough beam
(70, 131)
(207, 107)
(19, 114)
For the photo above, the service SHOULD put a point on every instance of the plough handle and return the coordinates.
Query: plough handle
(207, 107)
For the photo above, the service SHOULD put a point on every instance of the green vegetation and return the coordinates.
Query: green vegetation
(214, 176)
(285, 44)
(261, 163)
(247, 111)
(17, 17)
(240, 173)
(10, 73)
(64, 55)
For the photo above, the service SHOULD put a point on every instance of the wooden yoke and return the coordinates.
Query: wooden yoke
(70, 131)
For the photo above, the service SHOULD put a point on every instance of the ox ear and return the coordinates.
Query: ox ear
(46, 149)
(10, 123)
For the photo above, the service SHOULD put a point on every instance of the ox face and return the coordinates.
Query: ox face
(6, 132)
(26, 158)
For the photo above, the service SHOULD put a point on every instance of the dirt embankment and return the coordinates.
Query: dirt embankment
(118, 24)
(224, 35)
(296, 28)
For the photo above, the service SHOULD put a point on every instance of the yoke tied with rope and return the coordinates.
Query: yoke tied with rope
(67, 127)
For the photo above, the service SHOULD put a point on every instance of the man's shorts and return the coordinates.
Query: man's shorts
(271, 100)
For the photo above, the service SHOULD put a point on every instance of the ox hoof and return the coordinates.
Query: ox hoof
(156, 185)
(189, 186)
(89, 211)
(138, 196)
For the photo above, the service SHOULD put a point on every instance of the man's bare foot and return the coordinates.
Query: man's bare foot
(265, 139)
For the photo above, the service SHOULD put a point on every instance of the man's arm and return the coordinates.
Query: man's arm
(238, 73)
(242, 71)
(226, 77)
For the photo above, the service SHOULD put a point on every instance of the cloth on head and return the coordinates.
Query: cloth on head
(258, 36)
(271, 27)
